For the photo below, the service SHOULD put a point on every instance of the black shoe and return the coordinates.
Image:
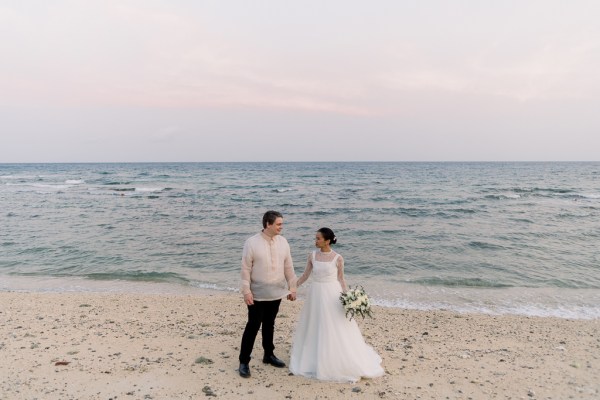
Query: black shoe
(274, 361)
(244, 370)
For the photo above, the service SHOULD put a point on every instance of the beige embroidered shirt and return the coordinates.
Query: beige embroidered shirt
(267, 268)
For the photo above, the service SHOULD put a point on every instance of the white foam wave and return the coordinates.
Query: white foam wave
(512, 196)
(214, 286)
(571, 311)
(74, 181)
(589, 196)
(149, 190)
(539, 302)
(41, 187)
(15, 177)
(44, 186)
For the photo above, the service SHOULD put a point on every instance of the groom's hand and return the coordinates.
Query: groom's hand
(291, 296)
(249, 299)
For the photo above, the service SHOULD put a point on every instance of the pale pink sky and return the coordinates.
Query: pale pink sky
(153, 80)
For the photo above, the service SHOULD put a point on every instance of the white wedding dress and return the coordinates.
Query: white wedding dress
(328, 346)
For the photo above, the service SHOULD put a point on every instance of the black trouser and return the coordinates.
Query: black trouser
(262, 312)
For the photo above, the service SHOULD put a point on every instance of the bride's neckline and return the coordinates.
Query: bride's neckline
(325, 252)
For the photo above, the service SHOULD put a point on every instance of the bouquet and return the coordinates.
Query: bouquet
(356, 302)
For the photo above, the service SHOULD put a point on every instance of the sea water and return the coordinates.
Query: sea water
(517, 238)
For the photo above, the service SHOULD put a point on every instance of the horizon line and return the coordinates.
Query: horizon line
(299, 162)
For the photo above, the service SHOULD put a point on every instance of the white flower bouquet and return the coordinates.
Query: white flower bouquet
(356, 302)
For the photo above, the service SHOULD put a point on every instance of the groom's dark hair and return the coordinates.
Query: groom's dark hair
(270, 217)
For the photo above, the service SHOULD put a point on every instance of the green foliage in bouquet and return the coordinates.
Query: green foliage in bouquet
(356, 302)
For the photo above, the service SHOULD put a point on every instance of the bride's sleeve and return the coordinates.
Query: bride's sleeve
(340, 273)
(306, 273)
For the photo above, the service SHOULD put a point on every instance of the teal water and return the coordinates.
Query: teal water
(488, 237)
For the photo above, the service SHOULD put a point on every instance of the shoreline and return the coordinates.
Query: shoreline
(182, 345)
(564, 303)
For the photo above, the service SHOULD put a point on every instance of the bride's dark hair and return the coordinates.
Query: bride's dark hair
(328, 235)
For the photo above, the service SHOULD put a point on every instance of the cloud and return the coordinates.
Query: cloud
(178, 55)
(167, 134)
(131, 54)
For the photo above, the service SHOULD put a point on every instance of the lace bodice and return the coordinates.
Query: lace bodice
(325, 267)
(324, 256)
(324, 271)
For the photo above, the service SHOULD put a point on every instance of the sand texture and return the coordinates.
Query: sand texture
(144, 346)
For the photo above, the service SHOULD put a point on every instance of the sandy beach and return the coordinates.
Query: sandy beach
(143, 346)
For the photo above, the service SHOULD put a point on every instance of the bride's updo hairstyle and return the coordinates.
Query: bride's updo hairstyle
(328, 235)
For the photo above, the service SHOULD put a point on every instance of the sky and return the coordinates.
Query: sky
(339, 80)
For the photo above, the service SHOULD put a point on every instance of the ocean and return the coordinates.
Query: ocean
(496, 238)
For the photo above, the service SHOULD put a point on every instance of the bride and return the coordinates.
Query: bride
(328, 346)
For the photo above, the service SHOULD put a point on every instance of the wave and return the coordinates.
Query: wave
(284, 190)
(40, 185)
(540, 190)
(352, 190)
(506, 196)
(74, 181)
(319, 213)
(137, 276)
(411, 212)
(378, 199)
(485, 245)
(112, 183)
(292, 205)
(148, 189)
(591, 196)
(214, 286)
(568, 311)
(36, 250)
(552, 190)
(138, 189)
(243, 199)
(177, 195)
(517, 193)
(463, 210)
(525, 220)
(459, 282)
(20, 177)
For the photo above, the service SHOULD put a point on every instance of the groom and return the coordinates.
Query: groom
(267, 273)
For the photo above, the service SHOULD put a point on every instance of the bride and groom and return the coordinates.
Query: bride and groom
(326, 345)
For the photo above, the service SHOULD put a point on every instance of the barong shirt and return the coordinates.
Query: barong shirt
(267, 268)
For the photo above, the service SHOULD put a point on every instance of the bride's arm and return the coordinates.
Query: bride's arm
(340, 273)
(306, 273)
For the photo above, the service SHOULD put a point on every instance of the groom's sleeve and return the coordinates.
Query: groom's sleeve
(246, 269)
(288, 270)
